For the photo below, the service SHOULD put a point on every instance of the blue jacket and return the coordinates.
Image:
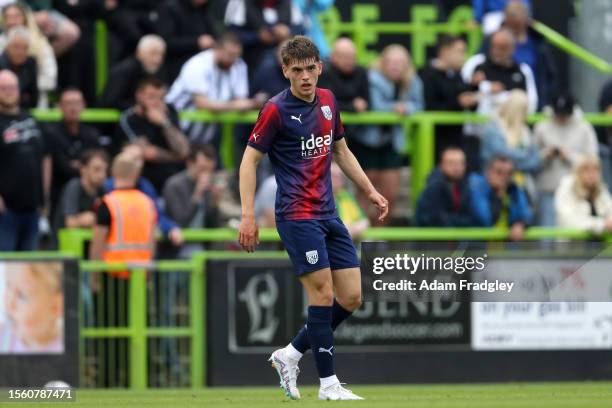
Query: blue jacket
(486, 205)
(482, 7)
(493, 144)
(311, 9)
(164, 222)
(382, 99)
(435, 205)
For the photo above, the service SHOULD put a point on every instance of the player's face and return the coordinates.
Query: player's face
(303, 76)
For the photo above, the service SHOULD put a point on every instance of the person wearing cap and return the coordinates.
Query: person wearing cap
(562, 138)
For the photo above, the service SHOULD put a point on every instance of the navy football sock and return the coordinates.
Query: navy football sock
(321, 338)
(339, 314)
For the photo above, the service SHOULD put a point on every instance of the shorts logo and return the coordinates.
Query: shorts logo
(326, 112)
(312, 257)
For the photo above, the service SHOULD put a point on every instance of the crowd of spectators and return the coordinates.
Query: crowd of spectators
(173, 55)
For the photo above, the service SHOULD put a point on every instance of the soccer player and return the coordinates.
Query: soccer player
(301, 130)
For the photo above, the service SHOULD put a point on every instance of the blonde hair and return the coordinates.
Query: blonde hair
(409, 71)
(124, 167)
(512, 115)
(38, 41)
(48, 273)
(579, 189)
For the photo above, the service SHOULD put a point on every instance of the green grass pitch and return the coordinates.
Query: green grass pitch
(540, 395)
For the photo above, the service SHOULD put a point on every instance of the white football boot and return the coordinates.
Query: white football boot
(336, 392)
(288, 371)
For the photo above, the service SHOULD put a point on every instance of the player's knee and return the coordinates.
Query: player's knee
(352, 301)
(322, 295)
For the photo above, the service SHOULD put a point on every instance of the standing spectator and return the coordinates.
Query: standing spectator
(25, 171)
(189, 196)
(490, 13)
(15, 58)
(15, 15)
(563, 137)
(154, 125)
(497, 73)
(68, 140)
(497, 201)
(531, 49)
(260, 25)
(61, 32)
(130, 20)
(188, 28)
(125, 76)
(349, 211)
(445, 202)
(268, 78)
(214, 80)
(582, 200)
(309, 11)
(167, 226)
(394, 87)
(347, 80)
(76, 206)
(265, 199)
(446, 91)
(125, 220)
(508, 135)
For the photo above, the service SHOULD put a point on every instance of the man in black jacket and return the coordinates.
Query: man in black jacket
(125, 76)
(15, 58)
(445, 202)
(188, 28)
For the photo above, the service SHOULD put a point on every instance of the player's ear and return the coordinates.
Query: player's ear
(320, 67)
(285, 71)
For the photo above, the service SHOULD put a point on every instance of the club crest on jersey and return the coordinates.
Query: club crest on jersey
(312, 257)
(326, 112)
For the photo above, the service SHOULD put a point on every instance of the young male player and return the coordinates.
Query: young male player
(301, 130)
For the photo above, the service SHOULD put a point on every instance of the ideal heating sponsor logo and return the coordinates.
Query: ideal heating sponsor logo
(315, 147)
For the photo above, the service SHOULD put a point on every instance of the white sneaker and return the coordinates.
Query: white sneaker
(288, 371)
(337, 392)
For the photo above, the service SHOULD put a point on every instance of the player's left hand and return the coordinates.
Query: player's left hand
(249, 233)
(381, 203)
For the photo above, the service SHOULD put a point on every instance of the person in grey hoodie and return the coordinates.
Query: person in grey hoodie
(562, 138)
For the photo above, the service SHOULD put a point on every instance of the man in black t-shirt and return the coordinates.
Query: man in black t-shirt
(154, 125)
(23, 156)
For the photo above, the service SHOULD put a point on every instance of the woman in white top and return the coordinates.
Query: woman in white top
(582, 200)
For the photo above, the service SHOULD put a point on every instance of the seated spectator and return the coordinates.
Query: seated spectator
(189, 196)
(498, 202)
(214, 80)
(582, 200)
(490, 13)
(508, 135)
(349, 211)
(168, 227)
(68, 140)
(531, 49)
(188, 28)
(309, 11)
(125, 76)
(497, 73)
(24, 170)
(394, 87)
(260, 25)
(265, 199)
(446, 91)
(76, 206)
(15, 58)
(154, 125)
(347, 80)
(268, 78)
(563, 137)
(445, 201)
(16, 15)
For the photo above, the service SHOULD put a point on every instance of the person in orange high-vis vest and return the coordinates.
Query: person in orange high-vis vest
(126, 219)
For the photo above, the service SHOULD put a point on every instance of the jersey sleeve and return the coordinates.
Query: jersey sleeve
(338, 126)
(266, 128)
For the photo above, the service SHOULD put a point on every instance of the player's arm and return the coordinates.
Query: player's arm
(249, 235)
(351, 167)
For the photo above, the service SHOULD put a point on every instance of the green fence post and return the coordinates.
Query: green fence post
(422, 158)
(71, 243)
(138, 328)
(101, 44)
(198, 319)
(227, 145)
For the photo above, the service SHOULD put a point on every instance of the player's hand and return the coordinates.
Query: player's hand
(249, 233)
(381, 203)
